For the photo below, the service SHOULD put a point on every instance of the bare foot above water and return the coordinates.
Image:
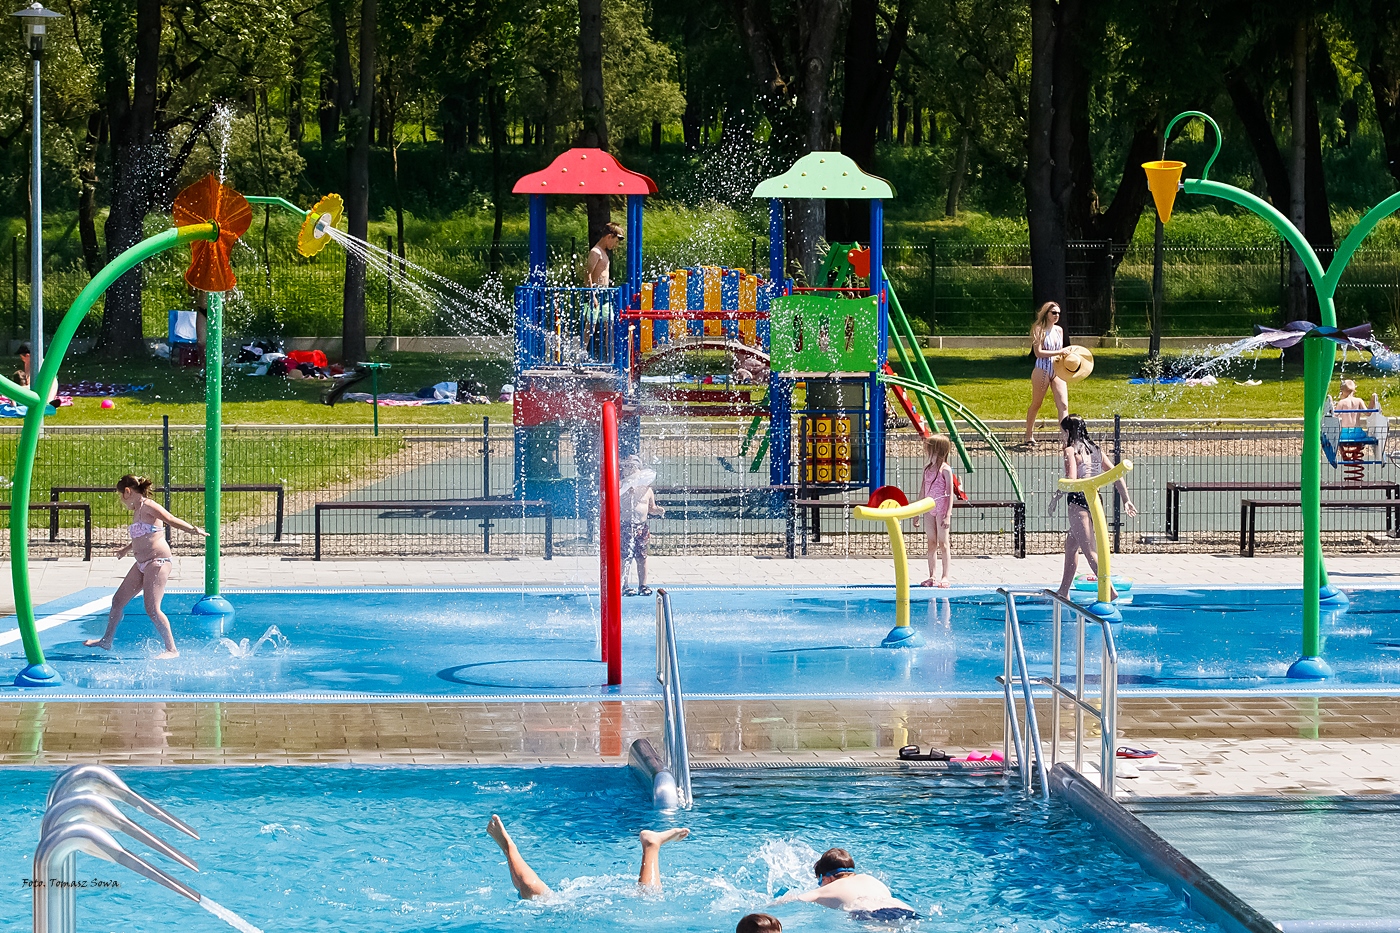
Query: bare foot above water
(167, 655)
(98, 643)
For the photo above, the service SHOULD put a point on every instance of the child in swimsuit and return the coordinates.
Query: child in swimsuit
(638, 507)
(153, 562)
(938, 486)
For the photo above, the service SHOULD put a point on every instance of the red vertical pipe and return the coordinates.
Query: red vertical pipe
(610, 547)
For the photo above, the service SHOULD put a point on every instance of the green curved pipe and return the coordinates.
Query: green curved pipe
(38, 672)
(944, 399)
(1319, 361)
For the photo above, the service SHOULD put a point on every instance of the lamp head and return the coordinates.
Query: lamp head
(34, 19)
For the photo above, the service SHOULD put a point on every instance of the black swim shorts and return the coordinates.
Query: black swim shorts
(885, 914)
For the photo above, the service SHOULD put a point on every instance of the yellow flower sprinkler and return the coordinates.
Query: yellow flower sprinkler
(1090, 488)
(889, 505)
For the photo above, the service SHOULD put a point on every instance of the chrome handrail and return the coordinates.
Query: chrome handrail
(77, 816)
(1016, 649)
(1107, 710)
(672, 701)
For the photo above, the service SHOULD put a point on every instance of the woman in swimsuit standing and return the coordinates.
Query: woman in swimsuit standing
(1047, 343)
(153, 562)
(1084, 460)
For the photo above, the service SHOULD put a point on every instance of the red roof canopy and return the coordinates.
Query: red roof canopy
(585, 171)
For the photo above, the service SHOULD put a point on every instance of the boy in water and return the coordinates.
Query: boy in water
(638, 506)
(529, 885)
(841, 887)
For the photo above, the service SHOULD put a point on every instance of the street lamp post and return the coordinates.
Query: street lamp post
(35, 21)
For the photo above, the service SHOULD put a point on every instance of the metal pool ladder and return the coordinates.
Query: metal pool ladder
(672, 703)
(77, 818)
(1106, 712)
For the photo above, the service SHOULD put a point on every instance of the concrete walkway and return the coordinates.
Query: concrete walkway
(54, 578)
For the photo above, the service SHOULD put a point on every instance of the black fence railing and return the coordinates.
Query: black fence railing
(1189, 483)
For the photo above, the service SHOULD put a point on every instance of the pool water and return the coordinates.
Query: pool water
(758, 642)
(404, 849)
(1292, 859)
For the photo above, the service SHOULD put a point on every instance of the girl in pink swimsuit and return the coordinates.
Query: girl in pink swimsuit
(938, 486)
(153, 562)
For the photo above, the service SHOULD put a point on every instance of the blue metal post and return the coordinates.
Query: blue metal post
(775, 240)
(779, 430)
(882, 325)
(634, 247)
(538, 222)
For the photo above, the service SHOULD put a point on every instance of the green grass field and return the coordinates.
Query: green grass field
(993, 383)
(996, 385)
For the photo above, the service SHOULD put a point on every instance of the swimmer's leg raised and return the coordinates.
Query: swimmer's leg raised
(527, 883)
(652, 842)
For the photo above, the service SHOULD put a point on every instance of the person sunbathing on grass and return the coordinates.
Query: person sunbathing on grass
(529, 885)
(841, 887)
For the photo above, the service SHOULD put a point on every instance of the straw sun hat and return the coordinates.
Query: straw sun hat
(1075, 365)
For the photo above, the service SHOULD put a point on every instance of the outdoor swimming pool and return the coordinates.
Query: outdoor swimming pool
(761, 642)
(360, 850)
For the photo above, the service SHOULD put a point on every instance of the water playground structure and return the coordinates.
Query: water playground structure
(582, 350)
(1319, 357)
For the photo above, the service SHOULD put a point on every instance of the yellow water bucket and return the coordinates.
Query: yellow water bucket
(823, 426)
(1163, 180)
(823, 472)
(843, 427)
(842, 472)
(823, 449)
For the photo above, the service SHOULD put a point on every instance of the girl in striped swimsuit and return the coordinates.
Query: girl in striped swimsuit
(938, 486)
(1047, 342)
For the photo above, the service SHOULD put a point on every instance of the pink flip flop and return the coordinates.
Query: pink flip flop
(943, 584)
(929, 582)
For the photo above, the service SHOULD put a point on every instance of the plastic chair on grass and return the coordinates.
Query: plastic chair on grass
(182, 333)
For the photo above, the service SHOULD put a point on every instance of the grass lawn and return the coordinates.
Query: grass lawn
(995, 384)
(250, 400)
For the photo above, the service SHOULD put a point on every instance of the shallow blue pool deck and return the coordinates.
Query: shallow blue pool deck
(542, 643)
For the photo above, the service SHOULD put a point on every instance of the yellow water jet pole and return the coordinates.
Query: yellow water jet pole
(1090, 488)
(892, 513)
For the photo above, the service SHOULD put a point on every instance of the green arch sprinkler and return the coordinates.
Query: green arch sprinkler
(209, 217)
(1319, 356)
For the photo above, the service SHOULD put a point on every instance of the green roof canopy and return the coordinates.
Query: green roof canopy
(824, 175)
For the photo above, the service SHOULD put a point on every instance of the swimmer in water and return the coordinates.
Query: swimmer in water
(529, 885)
(841, 887)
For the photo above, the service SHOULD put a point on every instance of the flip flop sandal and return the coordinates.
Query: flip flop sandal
(645, 591)
(1125, 752)
(911, 753)
(929, 582)
(628, 591)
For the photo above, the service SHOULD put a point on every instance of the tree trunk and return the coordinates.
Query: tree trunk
(87, 194)
(1045, 221)
(655, 135)
(868, 73)
(295, 118)
(328, 113)
(1255, 120)
(595, 121)
(495, 112)
(1297, 205)
(1385, 91)
(138, 161)
(917, 112)
(551, 112)
(360, 114)
(955, 182)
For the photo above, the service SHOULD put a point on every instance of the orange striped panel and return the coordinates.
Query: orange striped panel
(748, 292)
(678, 290)
(748, 333)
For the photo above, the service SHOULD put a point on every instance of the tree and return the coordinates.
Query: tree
(357, 107)
(791, 54)
(594, 131)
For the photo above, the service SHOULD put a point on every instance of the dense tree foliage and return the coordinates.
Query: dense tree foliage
(1041, 109)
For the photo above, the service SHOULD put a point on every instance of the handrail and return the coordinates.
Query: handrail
(672, 702)
(1015, 647)
(1107, 711)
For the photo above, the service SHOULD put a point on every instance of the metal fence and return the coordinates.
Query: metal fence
(717, 502)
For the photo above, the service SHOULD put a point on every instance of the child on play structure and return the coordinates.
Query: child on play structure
(638, 507)
(938, 486)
